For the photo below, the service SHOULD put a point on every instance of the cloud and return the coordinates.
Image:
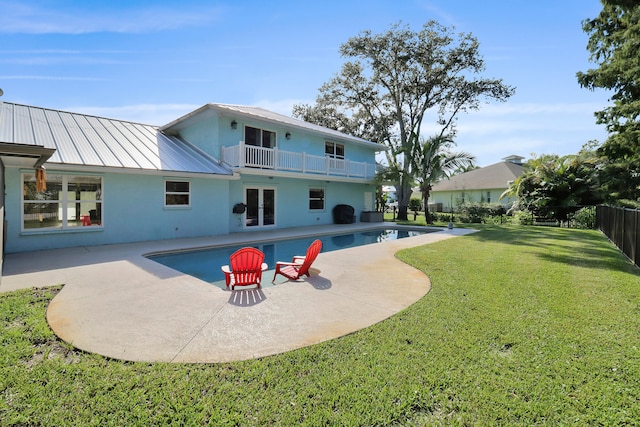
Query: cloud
(29, 19)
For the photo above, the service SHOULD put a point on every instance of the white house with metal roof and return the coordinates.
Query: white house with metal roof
(479, 185)
(217, 170)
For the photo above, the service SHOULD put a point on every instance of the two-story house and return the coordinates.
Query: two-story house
(75, 180)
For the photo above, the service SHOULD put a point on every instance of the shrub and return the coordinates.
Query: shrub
(415, 204)
(584, 218)
(522, 218)
(481, 212)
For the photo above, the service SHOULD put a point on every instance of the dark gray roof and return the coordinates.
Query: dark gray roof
(496, 176)
(100, 142)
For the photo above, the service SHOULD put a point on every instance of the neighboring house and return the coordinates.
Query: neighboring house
(479, 185)
(217, 170)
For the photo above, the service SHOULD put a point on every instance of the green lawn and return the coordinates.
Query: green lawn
(523, 326)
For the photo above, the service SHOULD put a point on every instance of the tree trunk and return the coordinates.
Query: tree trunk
(403, 193)
(425, 201)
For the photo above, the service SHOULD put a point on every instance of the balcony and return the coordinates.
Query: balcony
(249, 156)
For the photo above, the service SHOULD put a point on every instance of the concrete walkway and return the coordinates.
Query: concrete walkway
(118, 303)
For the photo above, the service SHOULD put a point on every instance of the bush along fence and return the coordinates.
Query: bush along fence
(622, 227)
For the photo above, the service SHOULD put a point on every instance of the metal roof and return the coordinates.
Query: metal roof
(270, 116)
(100, 142)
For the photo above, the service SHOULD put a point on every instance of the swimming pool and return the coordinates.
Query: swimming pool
(205, 263)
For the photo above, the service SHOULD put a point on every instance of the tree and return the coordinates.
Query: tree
(553, 186)
(394, 81)
(614, 43)
(433, 161)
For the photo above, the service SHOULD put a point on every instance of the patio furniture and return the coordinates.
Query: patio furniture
(299, 266)
(343, 214)
(245, 268)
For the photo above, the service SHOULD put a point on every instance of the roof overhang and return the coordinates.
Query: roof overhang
(23, 155)
(248, 113)
(66, 167)
(299, 176)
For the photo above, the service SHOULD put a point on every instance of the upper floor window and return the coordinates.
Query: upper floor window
(69, 201)
(259, 137)
(335, 153)
(177, 193)
(333, 150)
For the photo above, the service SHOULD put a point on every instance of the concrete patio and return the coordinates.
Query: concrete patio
(117, 303)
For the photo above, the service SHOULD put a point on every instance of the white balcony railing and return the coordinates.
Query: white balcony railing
(249, 156)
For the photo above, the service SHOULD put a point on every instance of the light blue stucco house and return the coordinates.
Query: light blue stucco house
(482, 185)
(217, 170)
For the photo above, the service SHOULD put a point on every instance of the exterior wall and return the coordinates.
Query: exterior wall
(292, 200)
(207, 133)
(445, 197)
(2, 218)
(212, 132)
(133, 210)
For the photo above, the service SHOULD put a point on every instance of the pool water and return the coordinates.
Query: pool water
(205, 264)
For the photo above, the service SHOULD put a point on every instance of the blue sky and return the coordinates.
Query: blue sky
(152, 61)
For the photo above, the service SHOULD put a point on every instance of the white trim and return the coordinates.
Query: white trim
(93, 170)
(302, 176)
(63, 203)
(179, 193)
(324, 198)
(260, 225)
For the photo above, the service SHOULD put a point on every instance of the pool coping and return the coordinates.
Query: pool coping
(120, 304)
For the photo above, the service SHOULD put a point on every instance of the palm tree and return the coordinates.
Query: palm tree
(433, 161)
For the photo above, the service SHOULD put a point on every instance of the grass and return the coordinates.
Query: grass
(523, 326)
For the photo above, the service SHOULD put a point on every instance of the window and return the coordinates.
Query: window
(335, 153)
(69, 201)
(177, 193)
(488, 196)
(333, 150)
(316, 198)
(259, 137)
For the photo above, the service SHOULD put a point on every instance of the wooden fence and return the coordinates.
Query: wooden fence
(622, 227)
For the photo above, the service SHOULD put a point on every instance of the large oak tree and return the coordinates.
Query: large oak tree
(614, 43)
(392, 83)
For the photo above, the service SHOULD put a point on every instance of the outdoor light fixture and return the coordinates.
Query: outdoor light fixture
(234, 124)
(287, 135)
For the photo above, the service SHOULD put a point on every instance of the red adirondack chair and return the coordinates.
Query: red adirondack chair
(245, 268)
(299, 266)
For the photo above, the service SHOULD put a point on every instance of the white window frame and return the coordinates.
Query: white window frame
(65, 203)
(260, 143)
(323, 198)
(177, 193)
(334, 150)
(336, 161)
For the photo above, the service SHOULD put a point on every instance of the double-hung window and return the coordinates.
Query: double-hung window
(69, 201)
(316, 198)
(177, 194)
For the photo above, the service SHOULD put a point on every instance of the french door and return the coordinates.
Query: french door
(261, 203)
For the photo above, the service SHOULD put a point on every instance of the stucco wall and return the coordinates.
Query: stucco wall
(292, 200)
(474, 196)
(133, 210)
